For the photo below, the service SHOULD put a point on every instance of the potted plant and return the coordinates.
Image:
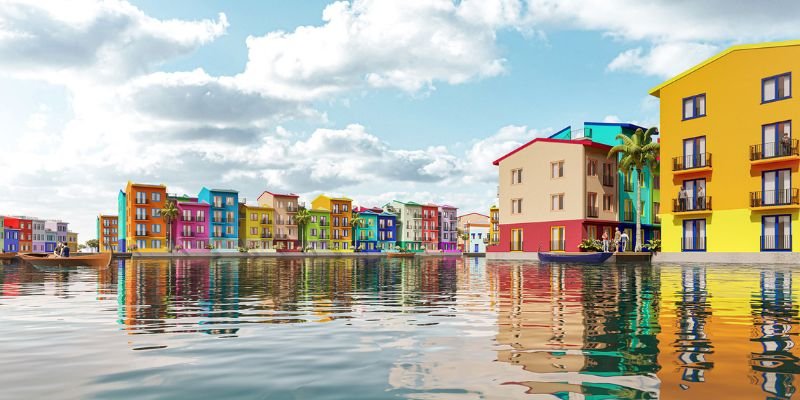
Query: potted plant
(589, 245)
(653, 246)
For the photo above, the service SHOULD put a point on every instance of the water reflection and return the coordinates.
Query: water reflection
(416, 328)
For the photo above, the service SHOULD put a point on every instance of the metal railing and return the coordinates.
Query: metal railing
(187, 234)
(693, 244)
(291, 208)
(265, 221)
(558, 245)
(766, 151)
(140, 217)
(267, 235)
(141, 201)
(141, 233)
(592, 212)
(769, 198)
(776, 243)
(691, 161)
(697, 203)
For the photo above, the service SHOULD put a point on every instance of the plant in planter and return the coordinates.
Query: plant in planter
(590, 245)
(209, 247)
(243, 249)
(653, 246)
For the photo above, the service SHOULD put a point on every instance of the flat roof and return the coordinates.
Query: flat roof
(585, 143)
(656, 91)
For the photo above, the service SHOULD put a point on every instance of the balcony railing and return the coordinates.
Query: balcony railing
(141, 201)
(693, 244)
(697, 203)
(558, 245)
(187, 234)
(627, 216)
(219, 220)
(516, 246)
(773, 150)
(691, 162)
(776, 243)
(267, 235)
(141, 233)
(218, 234)
(592, 212)
(187, 219)
(281, 236)
(324, 223)
(140, 217)
(768, 198)
(608, 180)
(265, 221)
(291, 208)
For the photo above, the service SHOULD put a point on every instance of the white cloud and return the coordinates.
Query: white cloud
(611, 119)
(482, 153)
(663, 60)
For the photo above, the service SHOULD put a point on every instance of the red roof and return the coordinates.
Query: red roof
(587, 143)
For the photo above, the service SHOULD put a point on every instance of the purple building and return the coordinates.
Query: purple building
(190, 231)
(11, 240)
(448, 229)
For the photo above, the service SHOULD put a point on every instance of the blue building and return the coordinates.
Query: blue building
(122, 229)
(11, 240)
(50, 240)
(387, 231)
(366, 234)
(224, 221)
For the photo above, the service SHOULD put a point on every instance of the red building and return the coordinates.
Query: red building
(430, 227)
(25, 226)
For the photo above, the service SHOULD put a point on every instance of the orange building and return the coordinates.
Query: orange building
(107, 230)
(145, 228)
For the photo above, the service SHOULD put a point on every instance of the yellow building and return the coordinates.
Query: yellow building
(256, 227)
(341, 216)
(72, 241)
(494, 225)
(737, 107)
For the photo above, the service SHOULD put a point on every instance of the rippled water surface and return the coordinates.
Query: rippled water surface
(426, 328)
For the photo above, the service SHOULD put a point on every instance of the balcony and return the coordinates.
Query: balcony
(558, 245)
(763, 153)
(608, 180)
(692, 163)
(187, 219)
(699, 204)
(265, 221)
(141, 201)
(693, 244)
(217, 205)
(776, 243)
(292, 208)
(592, 212)
(627, 216)
(139, 233)
(140, 217)
(281, 236)
(324, 223)
(218, 234)
(784, 198)
(219, 220)
(187, 234)
(267, 235)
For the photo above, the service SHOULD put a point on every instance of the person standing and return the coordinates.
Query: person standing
(786, 144)
(605, 241)
(701, 198)
(682, 199)
(624, 240)
(617, 239)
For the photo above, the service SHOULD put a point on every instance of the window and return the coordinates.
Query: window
(229, 230)
(230, 216)
(557, 238)
(591, 168)
(313, 232)
(776, 88)
(694, 107)
(772, 140)
(344, 207)
(557, 202)
(656, 211)
(628, 210)
(557, 169)
(656, 183)
(776, 233)
(591, 205)
(253, 216)
(141, 213)
(141, 197)
(641, 208)
(155, 196)
(777, 188)
(591, 232)
(516, 206)
(516, 176)
(694, 235)
(155, 243)
(694, 152)
(628, 182)
(141, 244)
(156, 212)
(200, 229)
(608, 174)
(229, 201)
(313, 219)
(156, 228)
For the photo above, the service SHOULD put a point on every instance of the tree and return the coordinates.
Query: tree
(302, 218)
(357, 222)
(93, 244)
(464, 235)
(637, 153)
(169, 213)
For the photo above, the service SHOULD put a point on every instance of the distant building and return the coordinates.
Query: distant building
(144, 227)
(255, 227)
(448, 229)
(318, 230)
(478, 237)
(409, 224)
(341, 216)
(38, 232)
(72, 241)
(365, 235)
(430, 227)
(464, 221)
(494, 225)
(190, 229)
(11, 240)
(224, 218)
(107, 233)
(285, 207)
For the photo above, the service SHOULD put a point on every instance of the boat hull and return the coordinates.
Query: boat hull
(400, 255)
(8, 256)
(101, 260)
(589, 258)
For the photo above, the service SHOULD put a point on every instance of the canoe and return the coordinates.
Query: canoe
(400, 255)
(592, 258)
(8, 256)
(101, 260)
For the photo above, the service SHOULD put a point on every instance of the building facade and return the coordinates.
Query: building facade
(448, 229)
(464, 221)
(494, 226)
(478, 238)
(72, 241)
(318, 230)
(387, 231)
(409, 224)
(191, 229)
(50, 240)
(224, 218)
(11, 240)
(107, 233)
(122, 221)
(365, 235)
(25, 234)
(2, 233)
(284, 207)
(255, 227)
(341, 217)
(737, 106)
(430, 227)
(145, 228)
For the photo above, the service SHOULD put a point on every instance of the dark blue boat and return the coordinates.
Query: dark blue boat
(590, 258)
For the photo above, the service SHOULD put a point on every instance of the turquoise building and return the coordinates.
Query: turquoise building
(606, 133)
(366, 234)
(122, 219)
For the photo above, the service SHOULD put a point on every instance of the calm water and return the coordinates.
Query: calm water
(421, 329)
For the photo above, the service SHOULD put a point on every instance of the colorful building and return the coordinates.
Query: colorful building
(341, 215)
(145, 228)
(25, 234)
(107, 233)
(122, 222)
(478, 238)
(752, 177)
(72, 241)
(430, 227)
(387, 231)
(59, 227)
(464, 221)
(365, 235)
(448, 229)
(409, 224)
(2, 233)
(224, 215)
(38, 232)
(255, 227)
(11, 240)
(318, 230)
(50, 240)
(190, 229)
(494, 226)
(285, 207)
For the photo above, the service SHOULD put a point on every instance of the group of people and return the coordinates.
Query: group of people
(620, 241)
(699, 198)
(62, 250)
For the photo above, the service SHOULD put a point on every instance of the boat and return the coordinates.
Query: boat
(562, 257)
(8, 256)
(400, 255)
(101, 260)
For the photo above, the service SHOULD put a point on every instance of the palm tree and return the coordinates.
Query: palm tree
(302, 218)
(357, 222)
(637, 153)
(169, 213)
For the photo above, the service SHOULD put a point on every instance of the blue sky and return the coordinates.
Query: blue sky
(371, 99)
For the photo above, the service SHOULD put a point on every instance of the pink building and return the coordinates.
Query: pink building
(190, 229)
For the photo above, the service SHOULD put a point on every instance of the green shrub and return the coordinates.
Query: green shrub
(590, 245)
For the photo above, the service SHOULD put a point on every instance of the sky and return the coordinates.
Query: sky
(372, 99)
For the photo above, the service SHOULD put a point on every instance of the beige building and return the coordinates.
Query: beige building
(285, 207)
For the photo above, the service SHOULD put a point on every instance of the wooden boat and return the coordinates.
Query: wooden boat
(101, 260)
(400, 255)
(8, 256)
(590, 258)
